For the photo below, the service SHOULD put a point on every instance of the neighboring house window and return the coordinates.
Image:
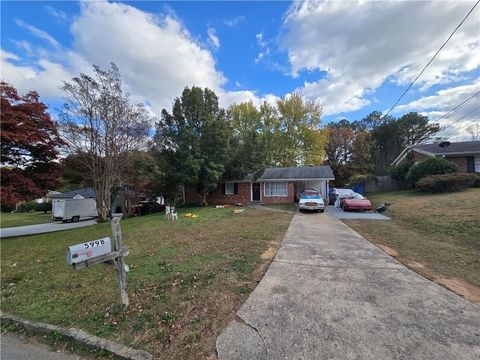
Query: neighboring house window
(230, 188)
(276, 188)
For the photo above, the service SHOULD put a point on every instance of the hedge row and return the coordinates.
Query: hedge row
(448, 182)
(34, 206)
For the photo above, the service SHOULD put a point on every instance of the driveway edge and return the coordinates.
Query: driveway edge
(79, 336)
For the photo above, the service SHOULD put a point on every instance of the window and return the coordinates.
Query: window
(229, 188)
(276, 188)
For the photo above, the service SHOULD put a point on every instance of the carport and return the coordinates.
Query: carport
(317, 177)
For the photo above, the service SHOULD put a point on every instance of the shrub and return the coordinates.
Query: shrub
(399, 172)
(29, 206)
(446, 182)
(429, 166)
(43, 207)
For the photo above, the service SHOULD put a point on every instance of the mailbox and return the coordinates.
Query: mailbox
(88, 250)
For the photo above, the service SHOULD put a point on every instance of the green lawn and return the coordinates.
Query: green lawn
(26, 218)
(186, 278)
(440, 232)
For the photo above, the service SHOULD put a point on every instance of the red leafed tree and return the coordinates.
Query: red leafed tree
(30, 145)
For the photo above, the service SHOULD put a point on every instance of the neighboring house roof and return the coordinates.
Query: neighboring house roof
(454, 149)
(85, 193)
(298, 173)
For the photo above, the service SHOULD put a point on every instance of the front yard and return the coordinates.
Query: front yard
(435, 235)
(22, 219)
(186, 278)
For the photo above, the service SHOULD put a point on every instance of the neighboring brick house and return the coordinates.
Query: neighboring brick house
(275, 186)
(465, 155)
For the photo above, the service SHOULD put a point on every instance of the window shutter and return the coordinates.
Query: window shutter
(235, 188)
(223, 189)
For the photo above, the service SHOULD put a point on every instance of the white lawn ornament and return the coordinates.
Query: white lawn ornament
(170, 213)
(173, 214)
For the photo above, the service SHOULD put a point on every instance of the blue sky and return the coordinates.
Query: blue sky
(353, 57)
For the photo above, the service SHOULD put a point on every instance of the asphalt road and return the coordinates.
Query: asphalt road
(43, 228)
(14, 347)
(330, 294)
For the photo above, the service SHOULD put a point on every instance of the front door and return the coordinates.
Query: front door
(256, 191)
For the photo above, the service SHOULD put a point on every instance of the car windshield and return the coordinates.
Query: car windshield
(310, 194)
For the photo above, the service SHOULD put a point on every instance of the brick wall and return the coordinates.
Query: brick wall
(290, 198)
(243, 196)
(216, 197)
(416, 156)
(460, 162)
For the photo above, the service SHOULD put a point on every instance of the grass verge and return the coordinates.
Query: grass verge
(187, 278)
(289, 207)
(435, 235)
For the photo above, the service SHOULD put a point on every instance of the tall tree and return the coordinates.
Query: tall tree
(99, 122)
(338, 149)
(416, 128)
(30, 146)
(193, 142)
(300, 140)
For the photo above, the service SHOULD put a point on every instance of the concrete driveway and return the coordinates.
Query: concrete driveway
(330, 294)
(354, 215)
(14, 347)
(43, 228)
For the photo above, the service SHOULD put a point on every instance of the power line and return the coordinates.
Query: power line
(464, 127)
(456, 107)
(463, 117)
(434, 56)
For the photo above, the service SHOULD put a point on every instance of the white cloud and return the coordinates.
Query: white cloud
(260, 41)
(156, 56)
(234, 21)
(456, 123)
(227, 98)
(25, 46)
(38, 33)
(44, 76)
(444, 100)
(213, 38)
(363, 45)
(262, 55)
(59, 14)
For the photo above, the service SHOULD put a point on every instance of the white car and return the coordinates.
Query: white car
(311, 199)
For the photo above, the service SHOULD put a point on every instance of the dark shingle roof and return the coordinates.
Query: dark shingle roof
(465, 147)
(298, 173)
(85, 192)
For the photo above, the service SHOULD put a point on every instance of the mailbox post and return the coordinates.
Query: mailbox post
(121, 267)
(99, 251)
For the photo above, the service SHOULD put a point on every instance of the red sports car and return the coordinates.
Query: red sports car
(355, 204)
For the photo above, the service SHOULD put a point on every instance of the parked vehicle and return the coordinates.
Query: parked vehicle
(349, 204)
(311, 199)
(75, 210)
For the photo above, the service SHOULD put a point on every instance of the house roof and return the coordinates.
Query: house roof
(85, 193)
(464, 147)
(298, 173)
(454, 149)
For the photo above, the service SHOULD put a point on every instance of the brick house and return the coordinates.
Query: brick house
(274, 186)
(465, 155)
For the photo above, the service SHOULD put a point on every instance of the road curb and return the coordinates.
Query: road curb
(119, 350)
